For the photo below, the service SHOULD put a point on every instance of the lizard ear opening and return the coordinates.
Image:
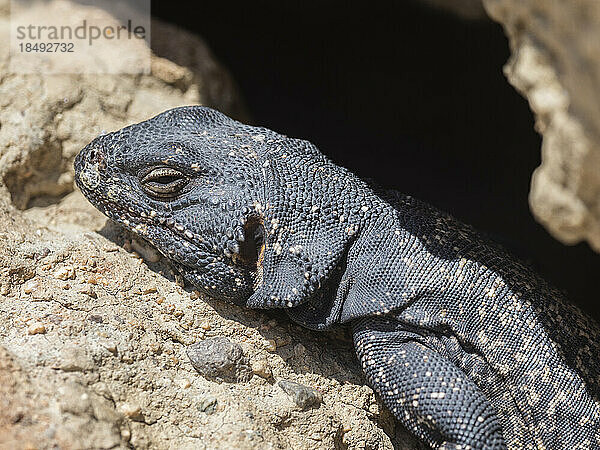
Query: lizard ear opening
(294, 266)
(252, 248)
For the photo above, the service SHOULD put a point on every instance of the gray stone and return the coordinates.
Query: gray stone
(303, 396)
(207, 404)
(220, 359)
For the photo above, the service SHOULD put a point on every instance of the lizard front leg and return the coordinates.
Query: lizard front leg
(426, 392)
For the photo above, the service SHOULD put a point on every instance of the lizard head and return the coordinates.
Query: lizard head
(186, 181)
(237, 209)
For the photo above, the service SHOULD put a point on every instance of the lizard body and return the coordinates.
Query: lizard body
(465, 345)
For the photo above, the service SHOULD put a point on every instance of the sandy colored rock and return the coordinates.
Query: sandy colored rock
(124, 354)
(36, 328)
(555, 65)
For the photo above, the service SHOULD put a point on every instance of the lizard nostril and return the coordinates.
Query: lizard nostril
(96, 156)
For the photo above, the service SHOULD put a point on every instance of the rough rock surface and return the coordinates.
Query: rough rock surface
(555, 65)
(100, 339)
(94, 327)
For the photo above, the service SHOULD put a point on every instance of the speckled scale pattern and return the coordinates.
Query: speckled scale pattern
(466, 346)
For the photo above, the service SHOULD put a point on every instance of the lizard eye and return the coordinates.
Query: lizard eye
(163, 182)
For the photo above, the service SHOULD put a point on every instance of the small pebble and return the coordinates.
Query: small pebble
(89, 292)
(30, 286)
(111, 347)
(261, 368)
(183, 383)
(220, 359)
(131, 410)
(64, 273)
(207, 404)
(303, 396)
(36, 328)
(150, 290)
(299, 350)
(205, 326)
(270, 345)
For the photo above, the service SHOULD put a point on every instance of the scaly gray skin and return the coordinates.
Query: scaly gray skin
(466, 346)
